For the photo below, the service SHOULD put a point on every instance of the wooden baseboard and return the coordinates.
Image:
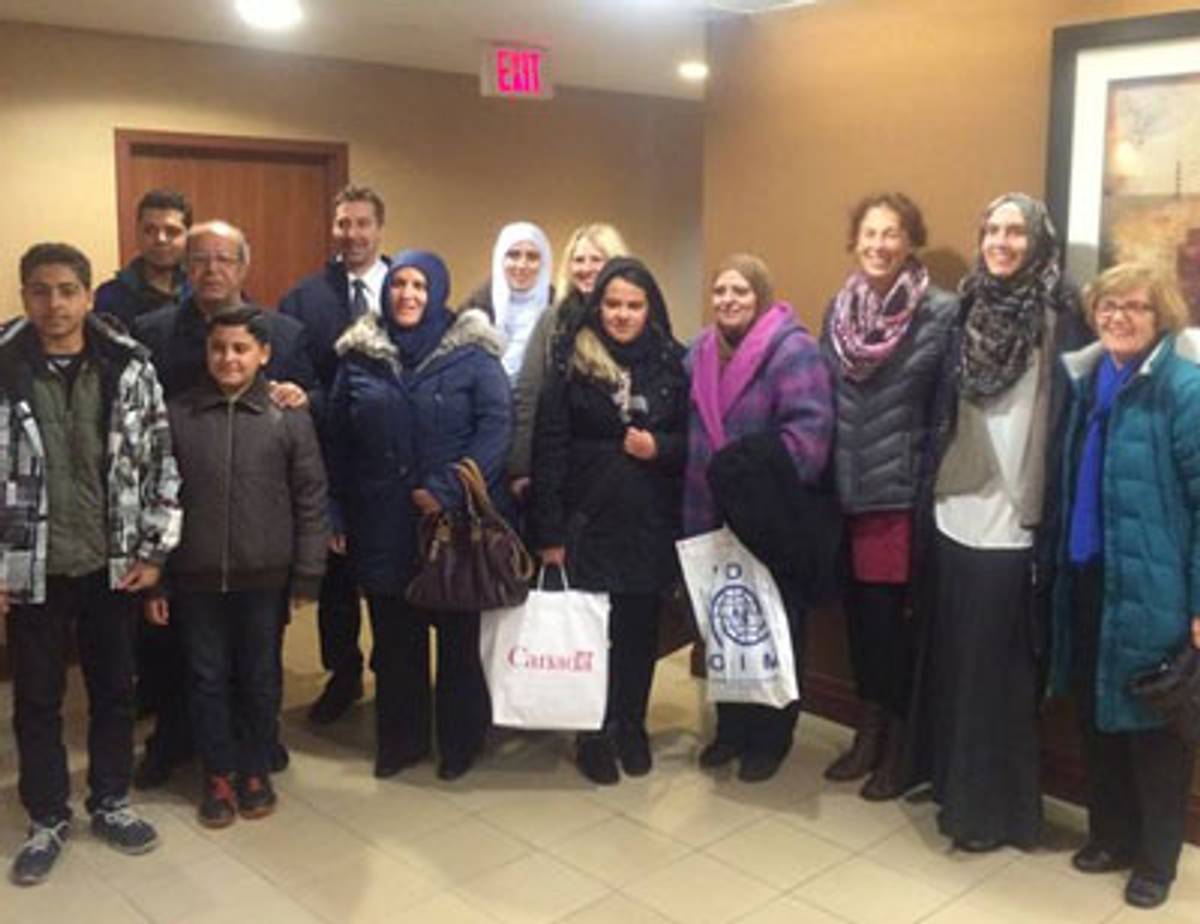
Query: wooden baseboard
(1062, 767)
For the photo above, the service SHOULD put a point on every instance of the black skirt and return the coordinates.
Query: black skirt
(983, 688)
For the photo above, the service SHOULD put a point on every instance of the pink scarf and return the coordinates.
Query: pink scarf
(715, 391)
(866, 328)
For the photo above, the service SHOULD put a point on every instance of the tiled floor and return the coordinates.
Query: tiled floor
(524, 839)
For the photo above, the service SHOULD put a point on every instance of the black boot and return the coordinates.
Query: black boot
(867, 749)
(633, 748)
(596, 758)
(887, 782)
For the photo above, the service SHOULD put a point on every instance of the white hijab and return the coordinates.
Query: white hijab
(518, 312)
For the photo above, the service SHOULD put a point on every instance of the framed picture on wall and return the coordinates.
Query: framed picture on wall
(1123, 165)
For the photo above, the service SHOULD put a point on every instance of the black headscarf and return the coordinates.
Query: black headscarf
(1005, 315)
(415, 343)
(658, 322)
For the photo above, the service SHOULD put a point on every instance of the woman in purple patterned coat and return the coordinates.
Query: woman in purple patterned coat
(758, 380)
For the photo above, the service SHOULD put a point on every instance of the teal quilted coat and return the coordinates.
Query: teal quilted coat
(1151, 511)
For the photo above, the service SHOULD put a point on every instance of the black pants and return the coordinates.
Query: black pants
(766, 731)
(339, 619)
(404, 701)
(232, 645)
(37, 638)
(632, 654)
(881, 644)
(1138, 782)
(162, 685)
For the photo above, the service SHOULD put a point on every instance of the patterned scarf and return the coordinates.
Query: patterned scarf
(1005, 315)
(866, 327)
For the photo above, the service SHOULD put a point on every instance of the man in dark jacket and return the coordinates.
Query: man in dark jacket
(349, 285)
(156, 276)
(89, 514)
(218, 259)
(254, 524)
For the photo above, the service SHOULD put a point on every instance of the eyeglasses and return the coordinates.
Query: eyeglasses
(1109, 308)
(223, 260)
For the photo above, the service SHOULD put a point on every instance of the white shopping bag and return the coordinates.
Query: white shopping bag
(546, 661)
(742, 620)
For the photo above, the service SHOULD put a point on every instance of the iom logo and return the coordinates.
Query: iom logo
(735, 611)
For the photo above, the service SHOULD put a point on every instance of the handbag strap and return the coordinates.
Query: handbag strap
(479, 501)
(480, 506)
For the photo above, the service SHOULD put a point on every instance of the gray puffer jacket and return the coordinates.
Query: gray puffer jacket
(883, 423)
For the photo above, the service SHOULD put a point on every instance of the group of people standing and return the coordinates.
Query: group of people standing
(1015, 497)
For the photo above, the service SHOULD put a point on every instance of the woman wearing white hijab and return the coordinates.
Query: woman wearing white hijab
(519, 289)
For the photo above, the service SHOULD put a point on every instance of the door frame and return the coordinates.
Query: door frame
(334, 155)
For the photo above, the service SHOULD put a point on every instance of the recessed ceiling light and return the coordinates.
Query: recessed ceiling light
(270, 14)
(693, 70)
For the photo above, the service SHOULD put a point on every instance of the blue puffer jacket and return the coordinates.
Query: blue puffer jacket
(390, 431)
(1151, 510)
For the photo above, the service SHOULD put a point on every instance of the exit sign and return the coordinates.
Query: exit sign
(516, 71)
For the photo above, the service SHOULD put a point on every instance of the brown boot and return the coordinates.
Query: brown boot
(864, 754)
(887, 782)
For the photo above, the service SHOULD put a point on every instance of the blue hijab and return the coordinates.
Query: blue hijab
(416, 343)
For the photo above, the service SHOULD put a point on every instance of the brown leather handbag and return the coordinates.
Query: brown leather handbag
(471, 559)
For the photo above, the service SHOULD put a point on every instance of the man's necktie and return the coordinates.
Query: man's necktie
(358, 304)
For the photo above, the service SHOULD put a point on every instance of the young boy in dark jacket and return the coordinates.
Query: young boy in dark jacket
(255, 526)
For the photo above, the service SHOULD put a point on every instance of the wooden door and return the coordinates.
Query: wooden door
(279, 192)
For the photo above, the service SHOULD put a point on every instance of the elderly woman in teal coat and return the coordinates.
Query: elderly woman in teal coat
(1128, 593)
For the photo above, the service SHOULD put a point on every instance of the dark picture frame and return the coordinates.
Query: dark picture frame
(1069, 42)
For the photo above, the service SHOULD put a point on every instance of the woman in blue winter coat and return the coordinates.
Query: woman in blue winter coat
(418, 388)
(1128, 593)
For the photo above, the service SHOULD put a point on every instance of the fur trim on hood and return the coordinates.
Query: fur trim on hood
(470, 328)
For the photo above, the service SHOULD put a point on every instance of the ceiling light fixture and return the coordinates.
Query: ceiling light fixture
(693, 70)
(274, 15)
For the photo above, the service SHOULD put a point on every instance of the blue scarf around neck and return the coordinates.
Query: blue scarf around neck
(1086, 540)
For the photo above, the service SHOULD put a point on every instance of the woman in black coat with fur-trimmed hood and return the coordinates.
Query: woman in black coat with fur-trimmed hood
(608, 452)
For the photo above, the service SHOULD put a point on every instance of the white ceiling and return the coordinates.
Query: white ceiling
(627, 45)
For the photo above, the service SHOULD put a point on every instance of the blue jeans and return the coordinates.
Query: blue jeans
(232, 645)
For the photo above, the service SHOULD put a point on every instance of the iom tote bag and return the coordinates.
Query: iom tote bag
(742, 620)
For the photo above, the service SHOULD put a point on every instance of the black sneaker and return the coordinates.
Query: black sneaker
(255, 797)
(36, 857)
(218, 807)
(115, 823)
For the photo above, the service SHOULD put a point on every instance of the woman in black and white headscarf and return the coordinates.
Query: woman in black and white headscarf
(994, 441)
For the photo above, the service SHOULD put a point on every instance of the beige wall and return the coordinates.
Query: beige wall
(453, 167)
(810, 109)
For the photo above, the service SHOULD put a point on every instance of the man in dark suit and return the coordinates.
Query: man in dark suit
(326, 302)
(217, 257)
